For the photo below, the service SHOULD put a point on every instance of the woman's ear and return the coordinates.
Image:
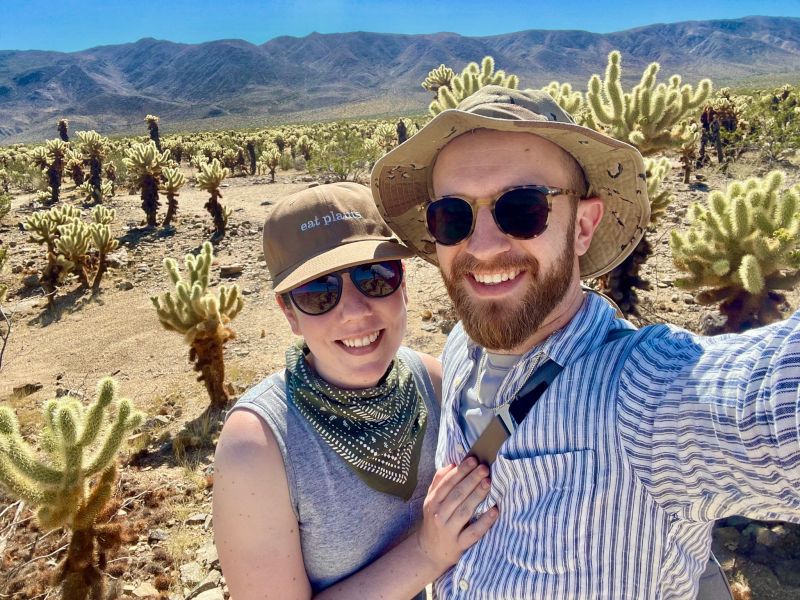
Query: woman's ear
(288, 311)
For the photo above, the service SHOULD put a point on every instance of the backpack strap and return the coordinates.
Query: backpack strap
(541, 379)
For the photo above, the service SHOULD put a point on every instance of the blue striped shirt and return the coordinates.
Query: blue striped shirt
(610, 487)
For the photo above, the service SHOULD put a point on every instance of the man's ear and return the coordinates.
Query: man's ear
(590, 212)
(289, 313)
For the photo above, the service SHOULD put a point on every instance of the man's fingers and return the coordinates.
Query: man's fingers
(476, 530)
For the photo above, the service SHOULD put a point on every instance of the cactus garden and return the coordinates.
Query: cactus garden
(121, 257)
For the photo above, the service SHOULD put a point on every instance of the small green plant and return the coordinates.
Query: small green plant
(346, 157)
(741, 248)
(202, 318)
(71, 482)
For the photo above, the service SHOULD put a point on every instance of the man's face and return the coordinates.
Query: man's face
(505, 289)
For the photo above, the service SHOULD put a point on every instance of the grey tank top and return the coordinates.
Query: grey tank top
(344, 524)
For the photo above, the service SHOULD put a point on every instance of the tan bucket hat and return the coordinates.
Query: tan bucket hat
(324, 229)
(614, 170)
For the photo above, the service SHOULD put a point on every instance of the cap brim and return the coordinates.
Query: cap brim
(615, 171)
(341, 257)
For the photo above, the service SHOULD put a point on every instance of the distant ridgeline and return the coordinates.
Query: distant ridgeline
(232, 83)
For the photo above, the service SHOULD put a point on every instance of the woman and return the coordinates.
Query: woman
(321, 470)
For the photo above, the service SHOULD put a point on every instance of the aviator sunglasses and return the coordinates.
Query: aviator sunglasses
(519, 212)
(374, 280)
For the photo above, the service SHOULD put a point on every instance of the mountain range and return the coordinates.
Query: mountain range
(233, 83)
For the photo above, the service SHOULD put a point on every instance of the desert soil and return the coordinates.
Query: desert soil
(167, 494)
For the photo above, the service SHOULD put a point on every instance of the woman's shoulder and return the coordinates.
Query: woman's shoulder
(431, 365)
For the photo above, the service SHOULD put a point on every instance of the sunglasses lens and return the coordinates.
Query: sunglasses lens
(522, 213)
(318, 296)
(377, 280)
(449, 220)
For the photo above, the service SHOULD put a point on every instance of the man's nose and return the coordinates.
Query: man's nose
(487, 241)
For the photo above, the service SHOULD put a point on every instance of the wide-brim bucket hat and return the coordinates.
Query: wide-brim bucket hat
(402, 179)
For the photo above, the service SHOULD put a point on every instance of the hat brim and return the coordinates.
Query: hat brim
(401, 183)
(341, 257)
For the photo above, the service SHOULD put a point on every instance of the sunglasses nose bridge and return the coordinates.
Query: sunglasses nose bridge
(487, 238)
(352, 303)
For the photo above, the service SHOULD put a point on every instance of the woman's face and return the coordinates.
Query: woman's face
(352, 344)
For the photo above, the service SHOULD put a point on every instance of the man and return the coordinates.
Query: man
(610, 485)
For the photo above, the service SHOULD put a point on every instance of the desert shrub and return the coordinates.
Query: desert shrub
(346, 157)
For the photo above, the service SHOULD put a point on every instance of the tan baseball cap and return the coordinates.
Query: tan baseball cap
(324, 229)
(614, 170)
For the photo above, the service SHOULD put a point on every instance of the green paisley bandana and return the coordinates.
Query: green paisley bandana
(377, 431)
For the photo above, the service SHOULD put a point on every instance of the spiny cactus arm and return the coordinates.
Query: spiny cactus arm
(750, 274)
(74, 240)
(230, 301)
(97, 500)
(20, 455)
(93, 420)
(169, 315)
(67, 437)
(18, 486)
(42, 229)
(126, 421)
(101, 237)
(102, 215)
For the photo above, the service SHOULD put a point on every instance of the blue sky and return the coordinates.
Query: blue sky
(69, 25)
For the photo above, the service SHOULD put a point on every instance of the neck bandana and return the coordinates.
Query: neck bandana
(377, 431)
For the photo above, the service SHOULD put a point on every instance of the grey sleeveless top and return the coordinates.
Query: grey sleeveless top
(344, 524)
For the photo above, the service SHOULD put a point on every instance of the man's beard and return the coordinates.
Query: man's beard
(507, 324)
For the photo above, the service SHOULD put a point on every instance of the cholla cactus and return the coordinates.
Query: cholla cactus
(210, 177)
(250, 144)
(173, 181)
(72, 484)
(5, 203)
(441, 76)
(651, 117)
(44, 228)
(74, 166)
(657, 171)
(102, 240)
(62, 130)
(51, 160)
(268, 162)
(152, 126)
(145, 164)
(571, 101)
(3, 288)
(94, 148)
(742, 247)
(202, 318)
(91, 194)
(304, 146)
(471, 79)
(385, 136)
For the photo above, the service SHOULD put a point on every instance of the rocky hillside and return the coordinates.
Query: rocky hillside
(232, 83)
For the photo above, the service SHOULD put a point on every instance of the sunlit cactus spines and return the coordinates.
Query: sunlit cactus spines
(63, 134)
(209, 179)
(304, 146)
(152, 126)
(73, 244)
(651, 116)
(742, 248)
(171, 183)
(100, 231)
(657, 171)
(74, 166)
(145, 163)
(202, 318)
(441, 76)
(70, 482)
(570, 100)
(51, 159)
(469, 81)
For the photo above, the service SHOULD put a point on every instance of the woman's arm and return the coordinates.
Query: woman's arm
(257, 536)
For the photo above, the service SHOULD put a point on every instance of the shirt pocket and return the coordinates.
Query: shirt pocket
(546, 511)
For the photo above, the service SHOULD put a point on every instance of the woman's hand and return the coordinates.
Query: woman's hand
(453, 496)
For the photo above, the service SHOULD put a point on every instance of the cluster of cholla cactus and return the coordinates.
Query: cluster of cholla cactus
(570, 100)
(145, 164)
(742, 247)
(268, 162)
(469, 81)
(202, 318)
(72, 245)
(50, 159)
(70, 483)
(209, 179)
(441, 76)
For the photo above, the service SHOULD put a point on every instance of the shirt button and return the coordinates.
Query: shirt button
(463, 585)
(459, 447)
